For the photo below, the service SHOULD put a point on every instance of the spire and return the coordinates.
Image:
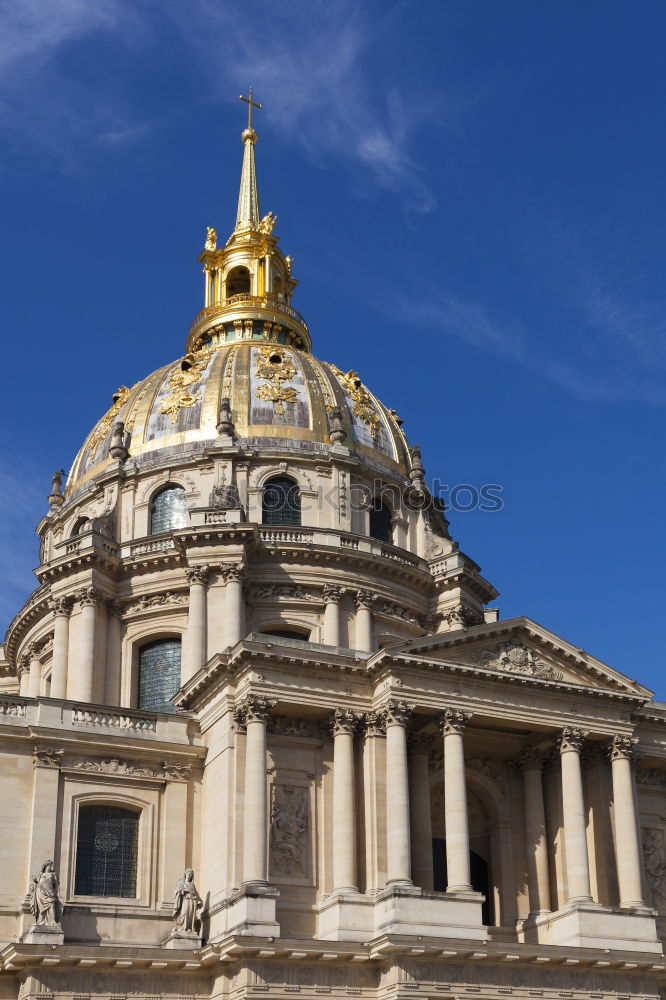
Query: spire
(248, 198)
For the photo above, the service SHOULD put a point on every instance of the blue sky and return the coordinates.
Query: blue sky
(473, 194)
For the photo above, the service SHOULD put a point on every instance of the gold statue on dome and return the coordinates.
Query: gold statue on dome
(211, 238)
(267, 223)
(289, 261)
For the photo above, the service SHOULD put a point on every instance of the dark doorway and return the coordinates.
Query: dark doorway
(479, 875)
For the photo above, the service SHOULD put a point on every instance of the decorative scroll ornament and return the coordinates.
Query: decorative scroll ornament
(361, 398)
(622, 747)
(514, 658)
(113, 766)
(176, 771)
(289, 824)
(46, 757)
(274, 365)
(453, 720)
(571, 740)
(181, 382)
(104, 426)
(397, 713)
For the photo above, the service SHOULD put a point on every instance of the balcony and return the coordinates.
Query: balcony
(269, 308)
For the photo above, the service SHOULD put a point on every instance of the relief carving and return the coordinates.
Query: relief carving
(289, 824)
(654, 859)
(515, 658)
(169, 598)
(113, 766)
(271, 591)
(281, 725)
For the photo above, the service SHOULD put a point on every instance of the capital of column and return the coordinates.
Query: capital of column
(344, 722)
(453, 720)
(364, 599)
(397, 712)
(570, 740)
(234, 573)
(61, 606)
(374, 723)
(622, 747)
(197, 574)
(114, 609)
(332, 594)
(24, 664)
(419, 744)
(532, 759)
(89, 597)
(592, 754)
(253, 708)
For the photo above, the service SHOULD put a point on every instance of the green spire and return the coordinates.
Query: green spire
(248, 214)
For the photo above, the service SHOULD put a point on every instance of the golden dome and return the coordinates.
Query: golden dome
(281, 398)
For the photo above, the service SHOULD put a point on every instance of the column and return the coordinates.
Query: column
(24, 675)
(35, 675)
(254, 715)
(196, 621)
(344, 806)
(332, 596)
(234, 607)
(627, 848)
(538, 878)
(421, 817)
(374, 798)
(573, 811)
(62, 608)
(113, 673)
(398, 846)
(88, 600)
(452, 724)
(364, 601)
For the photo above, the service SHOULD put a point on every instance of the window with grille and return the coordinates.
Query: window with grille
(381, 522)
(106, 851)
(159, 674)
(281, 502)
(168, 510)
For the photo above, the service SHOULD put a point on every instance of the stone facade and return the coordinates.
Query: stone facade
(383, 790)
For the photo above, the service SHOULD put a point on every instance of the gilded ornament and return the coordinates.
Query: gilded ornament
(180, 383)
(267, 223)
(363, 408)
(211, 238)
(103, 427)
(274, 366)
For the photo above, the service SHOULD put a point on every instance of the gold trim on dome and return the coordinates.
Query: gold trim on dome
(361, 398)
(104, 425)
(275, 372)
(180, 382)
(325, 387)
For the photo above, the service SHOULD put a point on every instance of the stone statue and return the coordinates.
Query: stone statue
(186, 902)
(46, 905)
(267, 223)
(211, 238)
(224, 497)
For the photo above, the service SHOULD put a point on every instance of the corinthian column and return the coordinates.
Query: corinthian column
(452, 724)
(344, 806)
(397, 794)
(332, 597)
(35, 675)
(196, 621)
(627, 847)
(421, 817)
(364, 601)
(573, 810)
(88, 599)
(62, 608)
(24, 675)
(253, 714)
(234, 609)
(538, 879)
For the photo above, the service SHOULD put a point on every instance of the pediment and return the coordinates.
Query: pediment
(521, 647)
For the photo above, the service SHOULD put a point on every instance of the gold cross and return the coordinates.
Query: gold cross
(250, 104)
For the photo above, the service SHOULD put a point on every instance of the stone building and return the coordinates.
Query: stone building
(255, 651)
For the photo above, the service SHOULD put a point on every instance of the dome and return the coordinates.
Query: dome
(280, 397)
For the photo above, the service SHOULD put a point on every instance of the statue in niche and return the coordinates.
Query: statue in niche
(46, 905)
(288, 829)
(654, 857)
(186, 902)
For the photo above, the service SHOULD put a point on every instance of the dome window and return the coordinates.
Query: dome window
(168, 510)
(159, 674)
(281, 503)
(381, 521)
(81, 524)
(238, 282)
(287, 633)
(107, 851)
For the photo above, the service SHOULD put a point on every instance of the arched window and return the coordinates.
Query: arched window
(281, 503)
(168, 510)
(238, 281)
(381, 521)
(159, 674)
(107, 844)
(81, 524)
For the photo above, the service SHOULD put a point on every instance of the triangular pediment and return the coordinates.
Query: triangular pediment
(520, 647)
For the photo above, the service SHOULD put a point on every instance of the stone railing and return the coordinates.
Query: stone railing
(114, 720)
(147, 546)
(272, 302)
(277, 536)
(87, 541)
(12, 709)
